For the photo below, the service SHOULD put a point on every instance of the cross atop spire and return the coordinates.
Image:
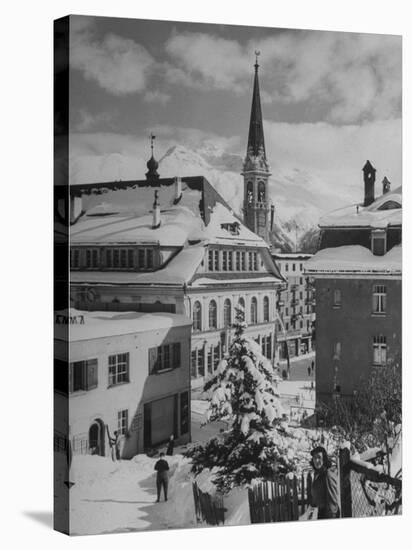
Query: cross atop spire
(256, 140)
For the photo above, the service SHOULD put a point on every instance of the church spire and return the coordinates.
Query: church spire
(256, 140)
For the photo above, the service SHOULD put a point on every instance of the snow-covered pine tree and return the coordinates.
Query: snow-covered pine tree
(242, 392)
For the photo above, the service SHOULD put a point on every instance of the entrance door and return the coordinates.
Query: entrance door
(96, 438)
(162, 416)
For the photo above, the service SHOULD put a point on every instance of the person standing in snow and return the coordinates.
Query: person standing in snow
(325, 485)
(115, 446)
(162, 477)
(170, 446)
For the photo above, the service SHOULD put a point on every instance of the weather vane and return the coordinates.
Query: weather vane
(257, 53)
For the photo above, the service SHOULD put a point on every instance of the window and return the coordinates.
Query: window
(193, 372)
(227, 313)
(230, 260)
(301, 268)
(293, 267)
(241, 305)
(255, 261)
(287, 326)
(243, 261)
(267, 346)
(74, 257)
(141, 258)
(212, 314)
(250, 261)
(238, 261)
(197, 316)
(149, 258)
(216, 259)
(301, 280)
(224, 260)
(286, 267)
(379, 350)
(118, 369)
(123, 421)
(337, 298)
(122, 258)
(287, 311)
(164, 358)
(91, 257)
(83, 375)
(200, 363)
(253, 311)
(210, 360)
(337, 348)
(265, 309)
(379, 299)
(216, 356)
(210, 260)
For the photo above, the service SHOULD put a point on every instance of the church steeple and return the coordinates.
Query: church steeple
(256, 170)
(256, 140)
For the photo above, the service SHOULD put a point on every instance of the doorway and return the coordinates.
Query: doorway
(97, 438)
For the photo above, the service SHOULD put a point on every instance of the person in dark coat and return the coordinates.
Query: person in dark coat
(162, 478)
(325, 495)
(170, 446)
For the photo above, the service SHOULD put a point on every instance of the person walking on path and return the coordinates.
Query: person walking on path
(170, 445)
(162, 477)
(115, 446)
(312, 367)
(325, 485)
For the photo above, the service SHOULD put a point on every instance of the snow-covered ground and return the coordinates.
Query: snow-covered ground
(114, 497)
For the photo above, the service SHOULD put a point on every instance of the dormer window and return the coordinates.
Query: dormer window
(232, 228)
(378, 242)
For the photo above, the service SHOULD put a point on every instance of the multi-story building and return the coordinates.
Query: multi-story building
(295, 306)
(174, 244)
(357, 273)
(128, 372)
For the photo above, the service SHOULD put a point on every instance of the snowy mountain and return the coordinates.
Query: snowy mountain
(299, 198)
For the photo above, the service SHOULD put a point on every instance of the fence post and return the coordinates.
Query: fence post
(344, 483)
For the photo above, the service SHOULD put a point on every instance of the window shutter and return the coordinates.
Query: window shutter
(92, 374)
(176, 355)
(152, 360)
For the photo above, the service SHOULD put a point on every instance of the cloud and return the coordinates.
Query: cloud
(83, 121)
(155, 96)
(118, 65)
(350, 76)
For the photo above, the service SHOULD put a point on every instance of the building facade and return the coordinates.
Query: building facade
(128, 372)
(295, 306)
(358, 280)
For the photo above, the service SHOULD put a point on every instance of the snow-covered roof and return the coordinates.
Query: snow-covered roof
(208, 281)
(102, 324)
(125, 216)
(178, 271)
(374, 215)
(292, 256)
(355, 258)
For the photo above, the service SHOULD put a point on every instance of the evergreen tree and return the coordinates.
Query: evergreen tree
(242, 392)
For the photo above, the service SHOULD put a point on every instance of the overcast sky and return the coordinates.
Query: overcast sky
(330, 100)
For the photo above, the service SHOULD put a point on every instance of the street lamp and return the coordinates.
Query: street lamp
(286, 342)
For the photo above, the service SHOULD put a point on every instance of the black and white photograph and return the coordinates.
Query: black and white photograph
(227, 275)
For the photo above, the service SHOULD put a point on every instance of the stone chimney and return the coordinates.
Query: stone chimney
(386, 185)
(156, 211)
(272, 216)
(178, 190)
(369, 175)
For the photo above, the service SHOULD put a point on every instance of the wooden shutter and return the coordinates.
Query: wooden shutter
(91, 367)
(152, 360)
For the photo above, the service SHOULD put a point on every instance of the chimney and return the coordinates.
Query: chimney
(156, 211)
(272, 216)
(178, 190)
(369, 174)
(76, 204)
(386, 185)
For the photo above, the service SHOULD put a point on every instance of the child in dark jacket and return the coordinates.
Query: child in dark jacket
(162, 477)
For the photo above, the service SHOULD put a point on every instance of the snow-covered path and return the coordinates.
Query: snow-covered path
(114, 497)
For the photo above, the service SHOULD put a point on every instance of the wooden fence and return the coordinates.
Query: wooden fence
(209, 509)
(284, 499)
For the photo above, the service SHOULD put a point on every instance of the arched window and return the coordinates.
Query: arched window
(227, 313)
(265, 309)
(197, 316)
(249, 192)
(212, 314)
(261, 192)
(253, 311)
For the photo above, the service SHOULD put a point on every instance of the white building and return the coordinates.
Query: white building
(127, 371)
(296, 305)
